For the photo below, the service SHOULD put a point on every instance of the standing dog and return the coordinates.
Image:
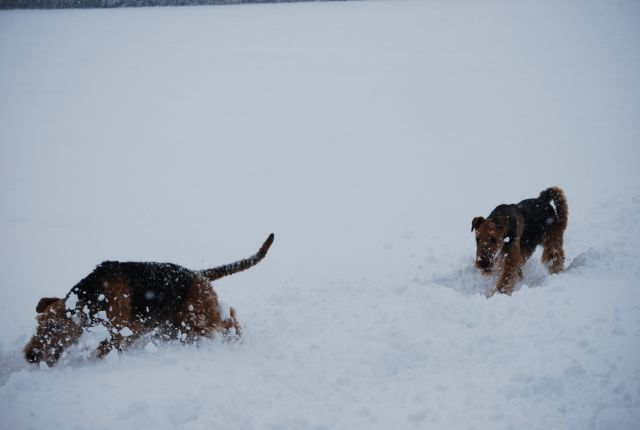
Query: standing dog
(511, 233)
(132, 299)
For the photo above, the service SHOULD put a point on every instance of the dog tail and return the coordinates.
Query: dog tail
(240, 265)
(560, 201)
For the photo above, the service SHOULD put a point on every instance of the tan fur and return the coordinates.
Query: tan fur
(553, 252)
(55, 332)
(200, 314)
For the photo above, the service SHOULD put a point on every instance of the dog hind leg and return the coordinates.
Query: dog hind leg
(553, 254)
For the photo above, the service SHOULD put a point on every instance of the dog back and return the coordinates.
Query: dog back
(154, 290)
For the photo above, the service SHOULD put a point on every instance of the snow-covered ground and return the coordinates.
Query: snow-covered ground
(366, 136)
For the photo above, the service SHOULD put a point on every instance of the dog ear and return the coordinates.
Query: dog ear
(477, 222)
(44, 303)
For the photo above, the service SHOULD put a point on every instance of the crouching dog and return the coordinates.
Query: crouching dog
(132, 299)
(511, 233)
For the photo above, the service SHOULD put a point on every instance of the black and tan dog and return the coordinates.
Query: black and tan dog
(511, 233)
(132, 299)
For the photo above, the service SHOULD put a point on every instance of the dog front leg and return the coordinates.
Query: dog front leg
(512, 271)
(124, 329)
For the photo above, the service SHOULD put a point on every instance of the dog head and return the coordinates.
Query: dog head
(490, 238)
(56, 331)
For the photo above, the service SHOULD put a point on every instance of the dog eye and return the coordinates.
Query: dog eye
(493, 240)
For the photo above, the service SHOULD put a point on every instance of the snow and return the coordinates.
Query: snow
(366, 136)
(126, 331)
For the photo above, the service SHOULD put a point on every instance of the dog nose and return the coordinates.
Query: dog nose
(484, 264)
(31, 356)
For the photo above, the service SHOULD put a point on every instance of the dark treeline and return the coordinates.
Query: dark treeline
(63, 4)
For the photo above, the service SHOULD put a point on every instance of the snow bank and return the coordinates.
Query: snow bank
(366, 135)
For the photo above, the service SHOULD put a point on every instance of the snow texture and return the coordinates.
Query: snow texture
(366, 136)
